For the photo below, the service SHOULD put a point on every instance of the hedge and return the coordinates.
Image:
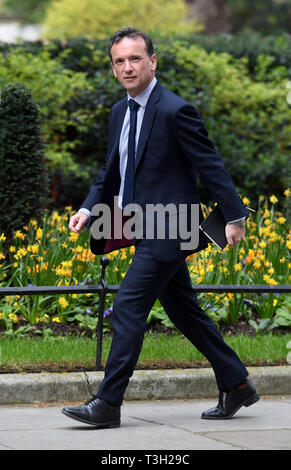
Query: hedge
(22, 173)
(241, 95)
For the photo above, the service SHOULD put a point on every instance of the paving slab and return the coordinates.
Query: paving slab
(152, 425)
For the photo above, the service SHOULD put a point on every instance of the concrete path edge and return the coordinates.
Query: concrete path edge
(144, 385)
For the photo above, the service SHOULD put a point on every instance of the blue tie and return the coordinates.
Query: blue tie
(129, 173)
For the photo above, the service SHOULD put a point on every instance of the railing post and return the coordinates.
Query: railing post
(104, 263)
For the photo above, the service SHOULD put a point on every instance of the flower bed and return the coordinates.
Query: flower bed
(49, 254)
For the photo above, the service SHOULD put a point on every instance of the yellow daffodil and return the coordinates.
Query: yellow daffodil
(266, 213)
(63, 302)
(269, 279)
(67, 264)
(55, 217)
(13, 317)
(21, 252)
(56, 320)
(273, 199)
(39, 233)
(210, 268)
(246, 201)
(73, 237)
(33, 222)
(257, 264)
(19, 234)
(44, 266)
(33, 248)
(281, 220)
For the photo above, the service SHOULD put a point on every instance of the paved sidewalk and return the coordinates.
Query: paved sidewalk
(151, 425)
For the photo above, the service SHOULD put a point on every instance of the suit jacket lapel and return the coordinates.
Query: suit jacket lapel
(115, 131)
(147, 123)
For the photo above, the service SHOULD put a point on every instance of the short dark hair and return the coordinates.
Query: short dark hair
(129, 32)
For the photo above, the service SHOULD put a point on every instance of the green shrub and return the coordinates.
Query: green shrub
(22, 171)
(99, 18)
(247, 117)
(52, 86)
(250, 45)
(241, 95)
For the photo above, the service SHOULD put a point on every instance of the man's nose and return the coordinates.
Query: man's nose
(128, 66)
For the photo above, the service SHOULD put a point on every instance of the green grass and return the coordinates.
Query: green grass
(159, 351)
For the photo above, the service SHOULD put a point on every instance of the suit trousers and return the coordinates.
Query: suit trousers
(145, 281)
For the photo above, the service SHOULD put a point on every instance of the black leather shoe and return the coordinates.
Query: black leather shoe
(96, 412)
(230, 402)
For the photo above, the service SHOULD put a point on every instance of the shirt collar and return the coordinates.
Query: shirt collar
(142, 98)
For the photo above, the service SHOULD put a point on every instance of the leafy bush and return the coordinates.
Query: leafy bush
(22, 171)
(51, 86)
(28, 11)
(250, 45)
(248, 119)
(99, 18)
(241, 95)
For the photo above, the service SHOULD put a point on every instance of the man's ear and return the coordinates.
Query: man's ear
(114, 72)
(154, 62)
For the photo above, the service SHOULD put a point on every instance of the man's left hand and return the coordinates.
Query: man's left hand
(234, 234)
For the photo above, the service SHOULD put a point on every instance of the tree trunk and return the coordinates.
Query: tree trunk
(214, 14)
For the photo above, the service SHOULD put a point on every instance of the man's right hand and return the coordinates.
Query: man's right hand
(78, 222)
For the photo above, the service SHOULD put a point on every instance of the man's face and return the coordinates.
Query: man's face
(132, 65)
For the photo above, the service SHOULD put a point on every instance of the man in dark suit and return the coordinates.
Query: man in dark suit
(157, 144)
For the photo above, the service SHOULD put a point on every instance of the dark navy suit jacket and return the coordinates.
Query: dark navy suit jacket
(173, 147)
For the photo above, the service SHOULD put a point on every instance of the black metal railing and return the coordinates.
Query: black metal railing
(102, 289)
